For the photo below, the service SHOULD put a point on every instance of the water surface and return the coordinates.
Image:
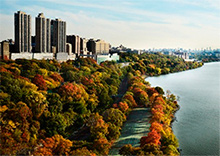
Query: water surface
(197, 126)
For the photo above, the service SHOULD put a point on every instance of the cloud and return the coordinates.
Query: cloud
(214, 4)
(141, 29)
(7, 26)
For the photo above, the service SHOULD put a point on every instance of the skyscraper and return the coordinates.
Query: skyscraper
(22, 23)
(58, 35)
(43, 34)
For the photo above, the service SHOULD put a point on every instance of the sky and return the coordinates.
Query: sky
(139, 24)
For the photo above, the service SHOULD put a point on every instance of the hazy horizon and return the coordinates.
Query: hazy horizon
(187, 24)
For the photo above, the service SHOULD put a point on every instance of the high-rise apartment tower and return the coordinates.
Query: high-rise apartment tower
(22, 23)
(43, 34)
(58, 35)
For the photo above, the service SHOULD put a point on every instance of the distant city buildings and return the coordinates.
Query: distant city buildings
(43, 34)
(123, 49)
(183, 55)
(22, 23)
(50, 41)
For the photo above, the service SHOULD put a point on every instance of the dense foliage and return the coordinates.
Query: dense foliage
(157, 64)
(43, 103)
(160, 140)
(207, 57)
(68, 108)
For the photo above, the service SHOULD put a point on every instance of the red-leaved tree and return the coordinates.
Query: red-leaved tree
(40, 82)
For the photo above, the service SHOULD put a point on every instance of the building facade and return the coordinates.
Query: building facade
(4, 50)
(58, 35)
(22, 23)
(102, 47)
(183, 55)
(69, 48)
(83, 46)
(98, 46)
(74, 40)
(91, 46)
(43, 34)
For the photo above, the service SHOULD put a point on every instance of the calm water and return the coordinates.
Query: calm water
(197, 125)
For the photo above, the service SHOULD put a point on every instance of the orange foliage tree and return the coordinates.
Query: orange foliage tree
(129, 99)
(123, 106)
(77, 92)
(152, 137)
(56, 77)
(102, 146)
(55, 145)
(140, 96)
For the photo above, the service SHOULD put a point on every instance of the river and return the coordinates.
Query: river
(197, 126)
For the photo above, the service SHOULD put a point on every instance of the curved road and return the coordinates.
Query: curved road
(136, 126)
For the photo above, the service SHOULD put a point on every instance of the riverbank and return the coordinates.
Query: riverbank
(198, 117)
(162, 109)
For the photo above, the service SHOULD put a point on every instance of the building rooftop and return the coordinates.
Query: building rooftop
(41, 15)
(21, 12)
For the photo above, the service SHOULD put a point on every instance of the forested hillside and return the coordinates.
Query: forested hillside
(52, 108)
(157, 64)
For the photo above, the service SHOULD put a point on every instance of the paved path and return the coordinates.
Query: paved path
(121, 90)
(136, 126)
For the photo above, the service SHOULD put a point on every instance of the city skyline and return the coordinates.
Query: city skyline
(142, 25)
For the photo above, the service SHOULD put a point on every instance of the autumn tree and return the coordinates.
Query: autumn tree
(114, 116)
(152, 137)
(101, 146)
(55, 145)
(98, 127)
(40, 82)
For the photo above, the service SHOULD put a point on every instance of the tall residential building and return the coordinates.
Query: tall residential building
(83, 44)
(91, 46)
(22, 23)
(74, 40)
(102, 47)
(43, 34)
(58, 35)
(98, 46)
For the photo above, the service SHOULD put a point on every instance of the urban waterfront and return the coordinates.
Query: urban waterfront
(197, 124)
